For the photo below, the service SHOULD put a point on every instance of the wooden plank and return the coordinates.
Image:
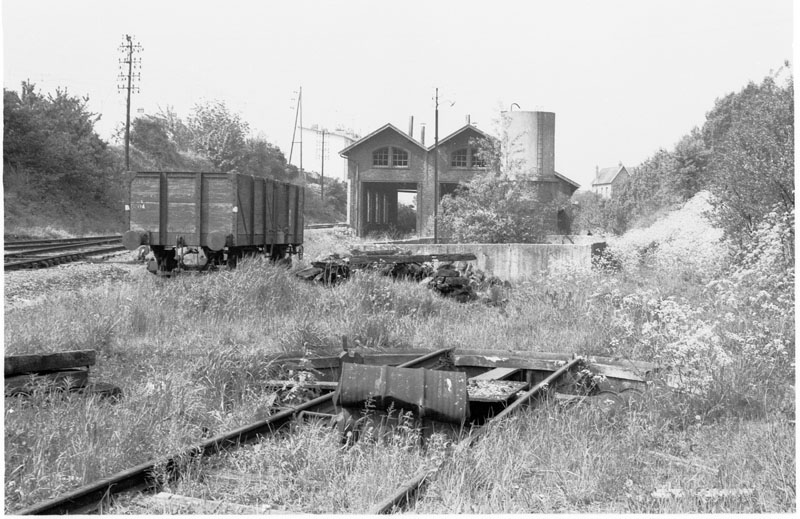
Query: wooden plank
(174, 504)
(69, 379)
(20, 364)
(497, 374)
(614, 372)
(317, 384)
(488, 361)
(635, 366)
(494, 391)
(372, 359)
(234, 479)
(415, 258)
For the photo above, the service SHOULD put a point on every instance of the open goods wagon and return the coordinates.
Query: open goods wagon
(198, 220)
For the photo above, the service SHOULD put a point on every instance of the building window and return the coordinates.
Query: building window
(459, 159)
(399, 158)
(477, 160)
(380, 157)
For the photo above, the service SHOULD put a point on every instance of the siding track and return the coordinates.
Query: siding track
(31, 254)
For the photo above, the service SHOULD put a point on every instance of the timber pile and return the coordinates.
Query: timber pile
(450, 275)
(63, 371)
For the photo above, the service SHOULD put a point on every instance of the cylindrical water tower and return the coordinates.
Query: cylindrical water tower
(530, 145)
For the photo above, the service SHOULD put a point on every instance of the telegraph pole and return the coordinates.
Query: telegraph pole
(126, 83)
(322, 173)
(436, 172)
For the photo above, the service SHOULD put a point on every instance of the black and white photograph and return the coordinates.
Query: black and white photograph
(367, 257)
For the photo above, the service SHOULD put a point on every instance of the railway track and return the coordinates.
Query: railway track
(411, 488)
(31, 254)
(533, 375)
(326, 225)
(142, 478)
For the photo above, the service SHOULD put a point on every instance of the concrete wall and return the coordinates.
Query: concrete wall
(513, 261)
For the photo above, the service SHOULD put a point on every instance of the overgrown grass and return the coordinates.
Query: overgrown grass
(583, 460)
(190, 354)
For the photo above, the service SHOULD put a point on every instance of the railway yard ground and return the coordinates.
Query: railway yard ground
(191, 355)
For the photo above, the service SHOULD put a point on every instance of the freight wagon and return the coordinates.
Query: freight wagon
(200, 220)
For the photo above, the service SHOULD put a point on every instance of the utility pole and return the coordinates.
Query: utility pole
(300, 108)
(436, 172)
(126, 83)
(322, 173)
(298, 114)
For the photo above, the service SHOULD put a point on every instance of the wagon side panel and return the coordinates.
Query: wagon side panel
(217, 206)
(259, 207)
(145, 205)
(182, 208)
(281, 212)
(270, 196)
(244, 212)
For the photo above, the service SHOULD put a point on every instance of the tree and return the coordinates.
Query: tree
(263, 159)
(492, 209)
(495, 208)
(592, 214)
(691, 165)
(149, 136)
(219, 134)
(175, 128)
(752, 135)
(50, 140)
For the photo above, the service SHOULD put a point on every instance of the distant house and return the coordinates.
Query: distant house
(607, 179)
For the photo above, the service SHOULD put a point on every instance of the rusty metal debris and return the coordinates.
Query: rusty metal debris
(450, 275)
(439, 395)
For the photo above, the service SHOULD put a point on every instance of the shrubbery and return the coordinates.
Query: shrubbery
(743, 155)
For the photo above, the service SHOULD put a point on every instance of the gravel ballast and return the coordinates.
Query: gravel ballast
(28, 286)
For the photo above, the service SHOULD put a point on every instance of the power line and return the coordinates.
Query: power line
(126, 80)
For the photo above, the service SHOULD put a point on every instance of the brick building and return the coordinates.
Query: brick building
(388, 161)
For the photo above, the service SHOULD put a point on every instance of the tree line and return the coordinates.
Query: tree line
(51, 149)
(743, 154)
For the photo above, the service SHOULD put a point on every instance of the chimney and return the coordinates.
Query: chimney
(468, 123)
(411, 126)
(422, 134)
(596, 170)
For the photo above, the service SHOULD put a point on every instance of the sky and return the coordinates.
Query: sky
(624, 77)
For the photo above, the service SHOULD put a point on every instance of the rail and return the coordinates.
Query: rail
(412, 486)
(141, 478)
(47, 253)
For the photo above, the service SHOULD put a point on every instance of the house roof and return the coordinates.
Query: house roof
(607, 175)
(384, 128)
(567, 180)
(458, 132)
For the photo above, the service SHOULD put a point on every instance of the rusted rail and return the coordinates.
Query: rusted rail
(42, 255)
(412, 486)
(141, 478)
(326, 225)
(28, 244)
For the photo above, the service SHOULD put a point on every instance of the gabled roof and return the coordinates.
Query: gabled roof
(458, 132)
(565, 179)
(607, 175)
(384, 128)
